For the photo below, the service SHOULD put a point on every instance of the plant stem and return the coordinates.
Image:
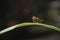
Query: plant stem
(28, 24)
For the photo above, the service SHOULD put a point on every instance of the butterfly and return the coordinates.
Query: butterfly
(36, 19)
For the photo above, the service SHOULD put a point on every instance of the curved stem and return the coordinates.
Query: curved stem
(28, 24)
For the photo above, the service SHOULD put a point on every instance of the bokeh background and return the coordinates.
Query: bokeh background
(19, 11)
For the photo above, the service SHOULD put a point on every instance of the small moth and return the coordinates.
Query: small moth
(36, 19)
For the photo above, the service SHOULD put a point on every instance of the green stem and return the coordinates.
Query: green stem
(28, 24)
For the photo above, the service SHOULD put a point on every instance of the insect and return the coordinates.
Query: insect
(36, 19)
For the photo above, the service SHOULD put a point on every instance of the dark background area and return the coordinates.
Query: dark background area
(18, 11)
